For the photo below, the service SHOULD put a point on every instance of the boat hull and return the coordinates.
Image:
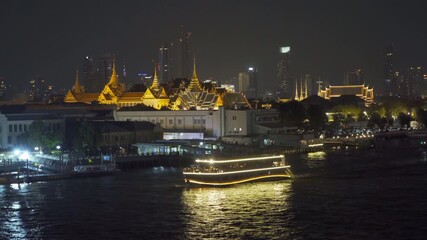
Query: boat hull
(231, 178)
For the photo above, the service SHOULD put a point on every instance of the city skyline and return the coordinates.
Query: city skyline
(50, 39)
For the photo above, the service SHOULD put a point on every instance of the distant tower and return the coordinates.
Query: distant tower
(88, 74)
(309, 84)
(182, 55)
(244, 83)
(253, 83)
(284, 76)
(354, 78)
(37, 91)
(3, 88)
(414, 79)
(96, 73)
(389, 85)
(163, 63)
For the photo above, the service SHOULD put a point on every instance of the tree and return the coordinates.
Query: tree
(421, 116)
(87, 137)
(36, 134)
(404, 119)
(39, 136)
(339, 119)
(292, 113)
(375, 120)
(317, 117)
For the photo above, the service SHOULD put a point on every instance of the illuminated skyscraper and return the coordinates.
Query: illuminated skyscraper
(390, 86)
(163, 64)
(244, 83)
(253, 83)
(414, 77)
(284, 75)
(37, 90)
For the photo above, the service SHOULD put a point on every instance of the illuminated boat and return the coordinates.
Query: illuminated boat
(227, 172)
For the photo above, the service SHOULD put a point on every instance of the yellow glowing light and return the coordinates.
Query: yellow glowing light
(316, 145)
(232, 172)
(240, 181)
(238, 160)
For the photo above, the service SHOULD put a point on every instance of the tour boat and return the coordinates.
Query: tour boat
(94, 170)
(212, 172)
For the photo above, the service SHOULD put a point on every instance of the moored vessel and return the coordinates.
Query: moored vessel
(212, 172)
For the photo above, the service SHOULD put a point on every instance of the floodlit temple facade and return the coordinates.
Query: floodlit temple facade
(190, 97)
(361, 91)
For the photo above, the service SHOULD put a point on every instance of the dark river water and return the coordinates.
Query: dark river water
(354, 194)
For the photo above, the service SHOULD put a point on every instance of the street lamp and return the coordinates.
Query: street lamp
(61, 159)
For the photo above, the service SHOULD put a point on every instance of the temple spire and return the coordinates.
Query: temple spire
(77, 87)
(306, 87)
(296, 91)
(155, 84)
(194, 68)
(113, 80)
(301, 97)
(194, 85)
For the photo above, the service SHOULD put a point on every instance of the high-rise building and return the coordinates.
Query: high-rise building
(402, 88)
(390, 86)
(89, 74)
(414, 77)
(253, 83)
(163, 64)
(3, 88)
(354, 77)
(180, 62)
(310, 85)
(284, 74)
(244, 82)
(104, 68)
(38, 90)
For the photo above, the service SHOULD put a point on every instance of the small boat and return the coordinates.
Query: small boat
(94, 170)
(212, 172)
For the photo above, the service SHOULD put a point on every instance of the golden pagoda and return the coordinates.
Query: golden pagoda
(155, 96)
(113, 90)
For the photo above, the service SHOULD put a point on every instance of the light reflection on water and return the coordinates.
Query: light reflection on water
(12, 223)
(248, 210)
(315, 160)
(319, 155)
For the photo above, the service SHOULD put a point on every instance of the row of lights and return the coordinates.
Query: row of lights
(21, 155)
(357, 136)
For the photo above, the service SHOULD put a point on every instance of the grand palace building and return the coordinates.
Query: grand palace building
(186, 96)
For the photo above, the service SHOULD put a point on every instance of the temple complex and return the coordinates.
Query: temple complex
(361, 91)
(188, 96)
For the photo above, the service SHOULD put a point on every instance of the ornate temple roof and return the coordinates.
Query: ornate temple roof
(177, 97)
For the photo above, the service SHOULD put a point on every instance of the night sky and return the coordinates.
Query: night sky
(327, 38)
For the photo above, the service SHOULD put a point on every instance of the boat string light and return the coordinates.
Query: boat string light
(237, 160)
